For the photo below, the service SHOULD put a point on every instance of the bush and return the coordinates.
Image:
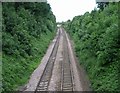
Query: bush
(27, 31)
(97, 46)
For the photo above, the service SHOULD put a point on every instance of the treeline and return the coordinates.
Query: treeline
(96, 37)
(27, 29)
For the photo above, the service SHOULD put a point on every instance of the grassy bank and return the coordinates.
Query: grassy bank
(97, 45)
(17, 69)
(27, 29)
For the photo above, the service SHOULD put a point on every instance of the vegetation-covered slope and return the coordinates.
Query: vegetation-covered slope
(27, 29)
(97, 43)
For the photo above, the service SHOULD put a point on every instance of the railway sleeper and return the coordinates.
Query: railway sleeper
(66, 86)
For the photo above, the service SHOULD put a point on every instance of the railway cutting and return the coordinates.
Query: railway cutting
(58, 70)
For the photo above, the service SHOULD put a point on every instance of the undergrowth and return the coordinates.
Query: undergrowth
(17, 69)
(97, 45)
(27, 29)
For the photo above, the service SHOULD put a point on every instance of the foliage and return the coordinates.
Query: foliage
(27, 29)
(97, 46)
(102, 5)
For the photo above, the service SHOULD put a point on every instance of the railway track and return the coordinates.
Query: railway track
(58, 70)
(66, 74)
(45, 78)
(67, 77)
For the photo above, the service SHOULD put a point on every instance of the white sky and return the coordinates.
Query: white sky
(67, 9)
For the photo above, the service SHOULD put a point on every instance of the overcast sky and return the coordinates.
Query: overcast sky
(67, 9)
